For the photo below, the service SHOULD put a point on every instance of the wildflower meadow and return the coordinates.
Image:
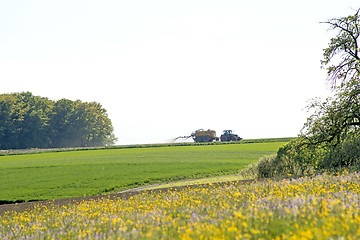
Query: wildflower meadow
(325, 206)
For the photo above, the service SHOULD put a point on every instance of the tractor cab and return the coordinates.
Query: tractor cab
(227, 132)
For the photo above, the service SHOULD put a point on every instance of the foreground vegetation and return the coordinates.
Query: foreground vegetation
(321, 207)
(55, 175)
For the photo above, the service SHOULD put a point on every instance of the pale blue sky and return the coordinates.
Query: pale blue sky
(165, 68)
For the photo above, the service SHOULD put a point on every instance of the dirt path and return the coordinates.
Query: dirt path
(20, 207)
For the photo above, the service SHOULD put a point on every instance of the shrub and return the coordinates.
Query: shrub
(344, 155)
(299, 157)
(266, 166)
(294, 158)
(261, 169)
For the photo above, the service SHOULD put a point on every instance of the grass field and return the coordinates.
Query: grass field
(318, 207)
(54, 175)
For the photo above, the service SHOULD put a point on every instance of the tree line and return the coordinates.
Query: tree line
(28, 121)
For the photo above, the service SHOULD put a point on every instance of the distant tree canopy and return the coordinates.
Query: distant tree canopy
(28, 121)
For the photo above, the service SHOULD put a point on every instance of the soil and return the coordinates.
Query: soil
(20, 207)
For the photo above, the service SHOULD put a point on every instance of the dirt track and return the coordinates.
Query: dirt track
(19, 207)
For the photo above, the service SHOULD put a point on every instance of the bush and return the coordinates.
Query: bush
(260, 169)
(344, 155)
(266, 166)
(299, 157)
(293, 158)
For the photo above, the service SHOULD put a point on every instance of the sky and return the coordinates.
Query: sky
(165, 68)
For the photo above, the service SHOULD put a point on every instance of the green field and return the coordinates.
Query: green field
(54, 175)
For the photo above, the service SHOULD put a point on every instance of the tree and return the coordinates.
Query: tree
(28, 121)
(8, 118)
(62, 133)
(331, 136)
(341, 58)
(35, 123)
(80, 124)
(330, 139)
(99, 128)
(334, 118)
(23, 120)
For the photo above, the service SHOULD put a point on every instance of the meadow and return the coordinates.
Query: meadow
(319, 207)
(55, 175)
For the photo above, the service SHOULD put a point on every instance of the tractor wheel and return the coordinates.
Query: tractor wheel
(223, 138)
(234, 138)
